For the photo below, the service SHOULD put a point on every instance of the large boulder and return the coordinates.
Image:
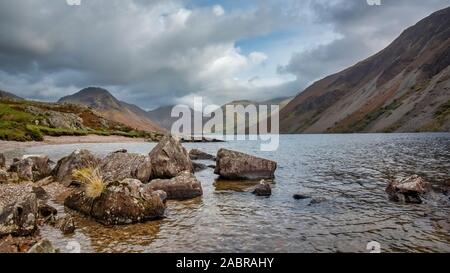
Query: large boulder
(121, 165)
(184, 186)
(77, 160)
(20, 218)
(2, 161)
(408, 190)
(196, 154)
(236, 165)
(124, 202)
(169, 158)
(32, 167)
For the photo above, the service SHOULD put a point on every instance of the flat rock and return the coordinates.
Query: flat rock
(184, 186)
(196, 154)
(237, 165)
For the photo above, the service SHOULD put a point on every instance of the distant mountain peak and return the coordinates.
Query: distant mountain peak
(104, 102)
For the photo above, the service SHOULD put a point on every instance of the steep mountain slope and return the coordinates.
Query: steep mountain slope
(106, 104)
(7, 95)
(403, 88)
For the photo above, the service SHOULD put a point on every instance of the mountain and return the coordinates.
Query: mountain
(162, 115)
(23, 120)
(103, 102)
(403, 88)
(7, 95)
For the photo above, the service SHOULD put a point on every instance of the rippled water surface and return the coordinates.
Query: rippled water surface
(350, 171)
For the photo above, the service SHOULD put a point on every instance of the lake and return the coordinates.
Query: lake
(350, 171)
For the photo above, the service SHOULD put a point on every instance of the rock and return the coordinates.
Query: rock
(184, 186)
(43, 246)
(46, 210)
(2, 161)
(124, 202)
(31, 167)
(41, 194)
(236, 165)
(317, 200)
(198, 167)
(12, 244)
(301, 196)
(408, 190)
(119, 166)
(263, 189)
(66, 225)
(3, 176)
(121, 151)
(20, 219)
(77, 160)
(169, 158)
(56, 119)
(196, 154)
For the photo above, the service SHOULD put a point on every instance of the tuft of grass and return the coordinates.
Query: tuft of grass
(92, 180)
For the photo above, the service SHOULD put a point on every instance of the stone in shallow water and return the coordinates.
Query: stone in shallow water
(20, 218)
(236, 165)
(124, 202)
(66, 225)
(43, 246)
(196, 154)
(169, 158)
(2, 161)
(184, 186)
(263, 189)
(122, 165)
(77, 160)
(408, 190)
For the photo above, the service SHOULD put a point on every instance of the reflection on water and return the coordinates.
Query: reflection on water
(350, 171)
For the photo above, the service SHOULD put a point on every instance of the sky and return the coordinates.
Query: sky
(162, 52)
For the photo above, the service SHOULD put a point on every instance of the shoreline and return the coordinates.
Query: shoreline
(49, 140)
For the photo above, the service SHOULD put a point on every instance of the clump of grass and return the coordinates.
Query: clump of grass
(92, 179)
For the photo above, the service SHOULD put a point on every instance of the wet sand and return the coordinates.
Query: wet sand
(48, 140)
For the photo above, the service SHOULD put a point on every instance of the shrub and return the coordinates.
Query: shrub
(92, 180)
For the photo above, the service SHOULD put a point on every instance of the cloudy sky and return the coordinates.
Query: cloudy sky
(160, 52)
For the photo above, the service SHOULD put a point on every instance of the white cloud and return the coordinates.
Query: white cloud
(257, 57)
(218, 10)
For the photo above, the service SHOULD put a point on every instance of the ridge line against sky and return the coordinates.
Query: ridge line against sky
(162, 52)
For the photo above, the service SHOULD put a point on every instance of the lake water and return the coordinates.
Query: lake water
(350, 171)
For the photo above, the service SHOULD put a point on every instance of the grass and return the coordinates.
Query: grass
(16, 124)
(92, 179)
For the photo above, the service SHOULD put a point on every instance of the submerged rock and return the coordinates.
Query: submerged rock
(169, 158)
(77, 160)
(184, 186)
(46, 210)
(408, 190)
(20, 219)
(196, 154)
(121, 165)
(263, 189)
(317, 200)
(301, 196)
(198, 167)
(124, 202)
(66, 225)
(43, 246)
(236, 165)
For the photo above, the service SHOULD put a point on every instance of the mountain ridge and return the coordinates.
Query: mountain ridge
(399, 89)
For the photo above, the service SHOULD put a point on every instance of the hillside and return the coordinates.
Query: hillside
(22, 120)
(403, 88)
(106, 104)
